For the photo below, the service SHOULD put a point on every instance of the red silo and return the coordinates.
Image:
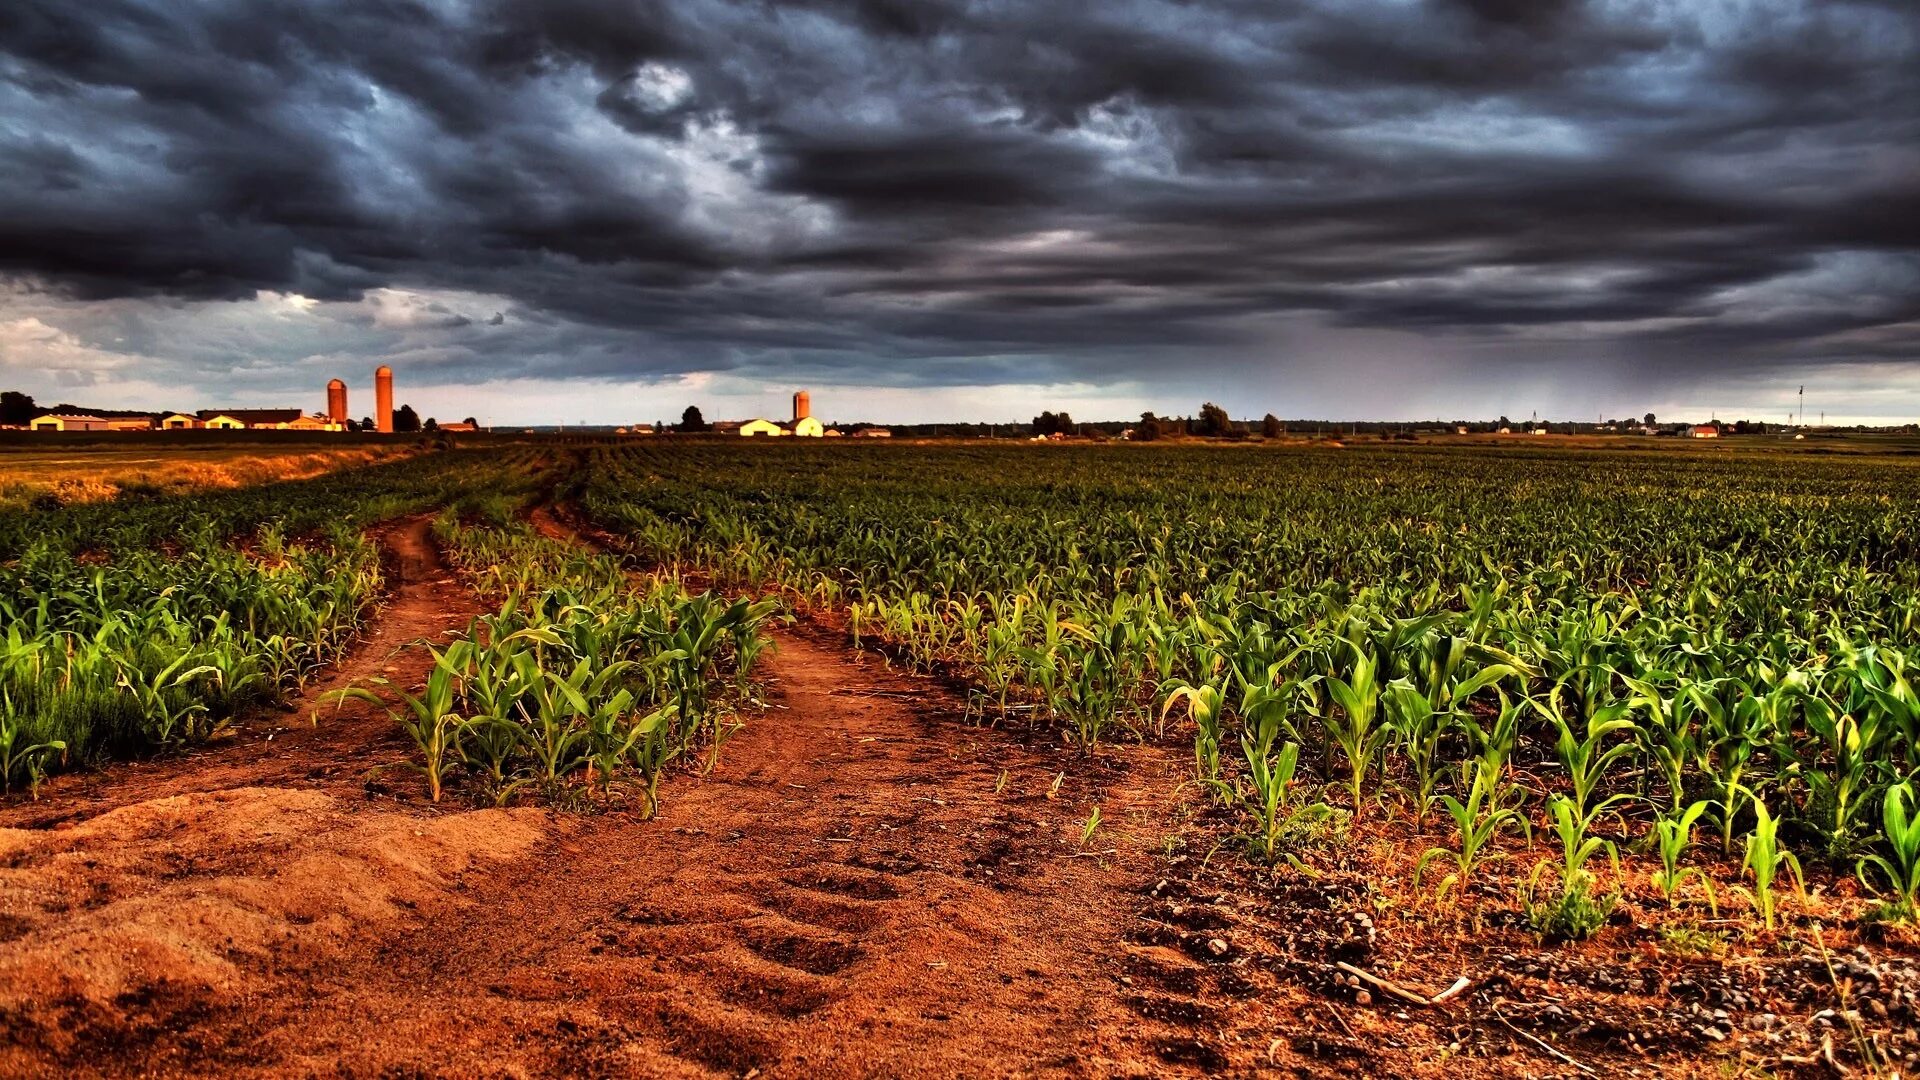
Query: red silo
(337, 401)
(802, 405)
(383, 399)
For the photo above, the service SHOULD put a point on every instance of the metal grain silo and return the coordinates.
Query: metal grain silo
(383, 398)
(337, 401)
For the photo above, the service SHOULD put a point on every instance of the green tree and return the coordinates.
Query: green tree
(17, 409)
(692, 421)
(405, 419)
(1214, 420)
(1270, 426)
(1049, 423)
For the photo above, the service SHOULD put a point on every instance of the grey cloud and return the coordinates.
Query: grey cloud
(856, 185)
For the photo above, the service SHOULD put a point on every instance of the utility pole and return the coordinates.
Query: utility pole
(1803, 404)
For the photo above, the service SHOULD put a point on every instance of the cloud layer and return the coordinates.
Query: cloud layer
(1615, 198)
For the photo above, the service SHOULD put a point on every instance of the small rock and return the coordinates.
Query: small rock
(1361, 997)
(1217, 947)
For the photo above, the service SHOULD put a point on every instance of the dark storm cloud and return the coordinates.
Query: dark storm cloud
(858, 183)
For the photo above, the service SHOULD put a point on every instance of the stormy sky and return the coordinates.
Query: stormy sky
(603, 210)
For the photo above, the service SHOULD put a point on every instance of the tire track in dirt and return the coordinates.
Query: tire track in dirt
(845, 895)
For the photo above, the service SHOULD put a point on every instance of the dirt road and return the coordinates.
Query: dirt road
(863, 886)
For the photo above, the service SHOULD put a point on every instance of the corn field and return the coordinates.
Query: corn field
(1704, 661)
(1707, 657)
(141, 624)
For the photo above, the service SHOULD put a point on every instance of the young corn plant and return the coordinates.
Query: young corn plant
(18, 762)
(1489, 807)
(1419, 731)
(1584, 751)
(1764, 859)
(619, 740)
(1278, 823)
(1203, 708)
(1573, 911)
(1356, 730)
(1668, 737)
(1898, 871)
(1840, 768)
(1673, 834)
(1089, 827)
(652, 752)
(429, 719)
(160, 696)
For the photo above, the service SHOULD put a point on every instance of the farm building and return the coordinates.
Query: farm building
(70, 422)
(1706, 431)
(803, 423)
(316, 422)
(130, 423)
(462, 425)
(181, 422)
(249, 419)
(873, 433)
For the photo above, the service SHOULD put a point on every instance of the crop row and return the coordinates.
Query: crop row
(588, 681)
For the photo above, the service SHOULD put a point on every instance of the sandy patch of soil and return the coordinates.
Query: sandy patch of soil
(144, 917)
